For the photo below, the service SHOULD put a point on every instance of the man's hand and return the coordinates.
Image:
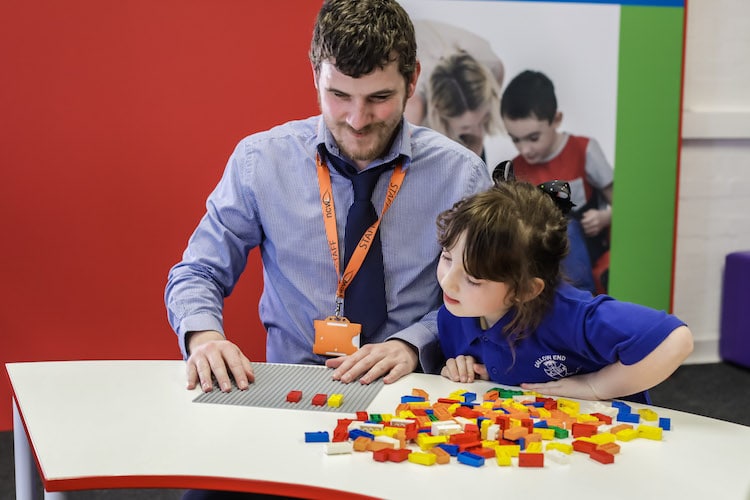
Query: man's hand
(211, 353)
(464, 369)
(391, 360)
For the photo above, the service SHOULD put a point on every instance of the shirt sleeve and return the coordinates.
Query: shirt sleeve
(626, 332)
(599, 172)
(215, 256)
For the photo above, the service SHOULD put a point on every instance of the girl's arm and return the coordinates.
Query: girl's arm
(617, 380)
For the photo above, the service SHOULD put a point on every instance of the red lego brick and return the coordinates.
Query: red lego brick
(531, 459)
(398, 455)
(294, 396)
(584, 446)
(602, 456)
(603, 418)
(319, 399)
(381, 455)
(584, 430)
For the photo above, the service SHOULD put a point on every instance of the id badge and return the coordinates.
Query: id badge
(336, 336)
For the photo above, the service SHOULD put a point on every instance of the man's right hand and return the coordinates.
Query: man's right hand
(211, 353)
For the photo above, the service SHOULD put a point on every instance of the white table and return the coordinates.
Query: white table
(132, 424)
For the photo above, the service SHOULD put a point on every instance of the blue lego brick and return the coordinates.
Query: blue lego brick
(317, 437)
(468, 458)
(452, 449)
(355, 433)
(665, 423)
(412, 399)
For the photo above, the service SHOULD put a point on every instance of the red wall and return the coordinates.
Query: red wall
(116, 120)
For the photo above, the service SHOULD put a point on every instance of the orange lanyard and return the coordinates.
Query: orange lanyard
(329, 217)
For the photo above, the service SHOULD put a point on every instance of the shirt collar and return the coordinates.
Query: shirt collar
(401, 146)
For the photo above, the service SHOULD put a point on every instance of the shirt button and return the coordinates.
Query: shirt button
(494, 370)
(485, 338)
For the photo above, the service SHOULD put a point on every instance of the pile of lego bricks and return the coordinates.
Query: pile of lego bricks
(509, 426)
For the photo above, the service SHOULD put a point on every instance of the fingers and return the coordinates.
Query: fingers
(390, 360)
(222, 360)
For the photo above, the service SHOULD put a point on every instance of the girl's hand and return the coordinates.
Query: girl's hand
(464, 369)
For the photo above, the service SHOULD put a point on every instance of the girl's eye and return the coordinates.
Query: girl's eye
(445, 256)
(472, 281)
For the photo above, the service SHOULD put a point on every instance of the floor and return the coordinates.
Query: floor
(717, 390)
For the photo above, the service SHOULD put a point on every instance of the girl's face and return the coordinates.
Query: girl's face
(466, 296)
(468, 128)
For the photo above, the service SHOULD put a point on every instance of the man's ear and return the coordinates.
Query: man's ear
(411, 87)
(315, 75)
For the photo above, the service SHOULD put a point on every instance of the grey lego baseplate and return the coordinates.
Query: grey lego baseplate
(274, 381)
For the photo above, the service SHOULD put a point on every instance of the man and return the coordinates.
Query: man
(364, 64)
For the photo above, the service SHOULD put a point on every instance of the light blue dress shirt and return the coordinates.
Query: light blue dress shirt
(268, 197)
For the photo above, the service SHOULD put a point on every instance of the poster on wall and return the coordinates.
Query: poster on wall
(615, 72)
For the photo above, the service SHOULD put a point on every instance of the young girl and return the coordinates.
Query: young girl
(510, 317)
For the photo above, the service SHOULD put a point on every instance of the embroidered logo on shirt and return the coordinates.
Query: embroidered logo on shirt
(553, 365)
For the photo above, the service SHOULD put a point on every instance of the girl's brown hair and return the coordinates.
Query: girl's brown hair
(514, 233)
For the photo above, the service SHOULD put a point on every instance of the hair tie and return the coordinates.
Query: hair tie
(503, 172)
(559, 191)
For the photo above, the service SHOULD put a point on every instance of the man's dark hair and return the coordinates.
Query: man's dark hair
(359, 36)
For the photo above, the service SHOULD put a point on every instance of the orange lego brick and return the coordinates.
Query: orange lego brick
(362, 443)
(515, 433)
(612, 448)
(443, 457)
(620, 427)
(420, 393)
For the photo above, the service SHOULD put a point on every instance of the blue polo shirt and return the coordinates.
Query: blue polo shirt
(580, 334)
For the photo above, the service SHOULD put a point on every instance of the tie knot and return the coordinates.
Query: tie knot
(364, 183)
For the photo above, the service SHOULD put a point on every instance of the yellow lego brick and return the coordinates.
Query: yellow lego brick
(603, 438)
(511, 449)
(649, 432)
(547, 434)
(544, 413)
(489, 443)
(502, 457)
(422, 458)
(534, 448)
(335, 400)
(626, 434)
(585, 417)
(419, 405)
(487, 404)
(649, 415)
(426, 441)
(561, 447)
(406, 414)
(458, 395)
(574, 406)
(484, 426)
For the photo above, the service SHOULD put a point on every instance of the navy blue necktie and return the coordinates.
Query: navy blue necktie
(364, 300)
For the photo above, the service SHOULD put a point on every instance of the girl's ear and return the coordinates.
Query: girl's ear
(537, 286)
